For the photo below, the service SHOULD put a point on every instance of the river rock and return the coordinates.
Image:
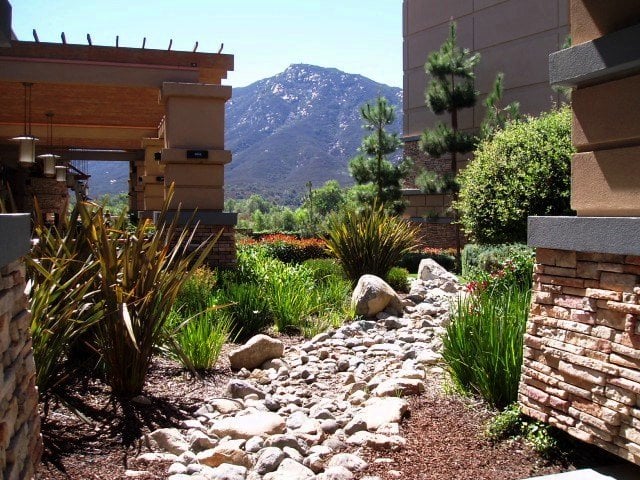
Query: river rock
(251, 425)
(255, 352)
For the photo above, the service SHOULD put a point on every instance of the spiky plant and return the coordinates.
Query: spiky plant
(370, 241)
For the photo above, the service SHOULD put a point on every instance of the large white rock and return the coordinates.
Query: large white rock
(168, 440)
(399, 387)
(255, 352)
(378, 411)
(429, 269)
(222, 454)
(351, 462)
(373, 295)
(251, 425)
(290, 470)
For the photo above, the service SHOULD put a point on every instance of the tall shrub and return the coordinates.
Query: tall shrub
(522, 170)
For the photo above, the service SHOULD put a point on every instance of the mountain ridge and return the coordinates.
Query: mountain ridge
(300, 125)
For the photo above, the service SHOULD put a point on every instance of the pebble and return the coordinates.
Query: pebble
(306, 414)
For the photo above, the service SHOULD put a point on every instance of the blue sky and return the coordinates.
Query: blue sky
(357, 36)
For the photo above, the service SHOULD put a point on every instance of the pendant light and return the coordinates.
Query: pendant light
(49, 159)
(61, 173)
(27, 140)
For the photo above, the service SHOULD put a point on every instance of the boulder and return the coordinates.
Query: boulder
(429, 269)
(255, 352)
(289, 470)
(246, 426)
(269, 459)
(372, 295)
(399, 387)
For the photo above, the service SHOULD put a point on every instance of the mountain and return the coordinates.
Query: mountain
(300, 125)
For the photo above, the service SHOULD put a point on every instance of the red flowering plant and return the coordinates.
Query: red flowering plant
(289, 248)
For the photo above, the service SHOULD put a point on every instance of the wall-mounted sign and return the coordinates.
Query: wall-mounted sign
(197, 154)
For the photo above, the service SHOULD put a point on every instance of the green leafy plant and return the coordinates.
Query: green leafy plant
(140, 276)
(369, 241)
(511, 423)
(323, 269)
(498, 266)
(482, 345)
(398, 279)
(520, 171)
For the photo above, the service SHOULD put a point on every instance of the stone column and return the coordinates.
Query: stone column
(20, 440)
(194, 158)
(581, 369)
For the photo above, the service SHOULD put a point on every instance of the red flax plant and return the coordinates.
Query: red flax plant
(139, 277)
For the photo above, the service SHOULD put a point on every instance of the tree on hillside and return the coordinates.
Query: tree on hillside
(377, 179)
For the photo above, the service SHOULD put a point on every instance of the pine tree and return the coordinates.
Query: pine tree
(451, 89)
(496, 117)
(377, 179)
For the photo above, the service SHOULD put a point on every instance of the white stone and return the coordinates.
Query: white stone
(251, 425)
(379, 411)
(351, 462)
(255, 352)
(290, 470)
(168, 440)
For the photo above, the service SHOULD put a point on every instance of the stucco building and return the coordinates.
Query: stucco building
(512, 36)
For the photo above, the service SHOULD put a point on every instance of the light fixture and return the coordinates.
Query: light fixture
(49, 158)
(27, 141)
(61, 173)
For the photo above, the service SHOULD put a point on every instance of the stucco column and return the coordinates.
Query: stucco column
(194, 158)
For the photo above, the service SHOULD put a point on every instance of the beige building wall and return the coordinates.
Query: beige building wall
(513, 36)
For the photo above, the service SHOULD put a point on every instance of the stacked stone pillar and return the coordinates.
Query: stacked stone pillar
(193, 159)
(581, 368)
(20, 440)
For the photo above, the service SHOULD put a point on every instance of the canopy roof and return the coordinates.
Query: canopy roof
(101, 97)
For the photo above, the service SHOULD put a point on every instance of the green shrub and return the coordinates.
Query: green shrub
(196, 292)
(522, 170)
(398, 279)
(324, 268)
(289, 248)
(498, 266)
(248, 309)
(482, 345)
(369, 241)
(444, 256)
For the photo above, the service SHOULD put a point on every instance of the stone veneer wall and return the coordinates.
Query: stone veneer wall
(20, 440)
(581, 369)
(437, 235)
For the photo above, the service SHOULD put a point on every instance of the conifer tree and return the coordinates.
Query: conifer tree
(378, 179)
(451, 89)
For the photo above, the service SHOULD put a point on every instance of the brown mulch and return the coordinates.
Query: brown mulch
(444, 433)
(445, 441)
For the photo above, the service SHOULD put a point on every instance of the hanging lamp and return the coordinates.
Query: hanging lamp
(49, 159)
(27, 141)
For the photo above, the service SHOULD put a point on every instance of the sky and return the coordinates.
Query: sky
(265, 36)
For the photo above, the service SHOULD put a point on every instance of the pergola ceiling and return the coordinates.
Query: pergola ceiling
(101, 97)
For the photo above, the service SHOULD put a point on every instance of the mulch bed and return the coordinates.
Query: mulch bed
(444, 434)
(445, 441)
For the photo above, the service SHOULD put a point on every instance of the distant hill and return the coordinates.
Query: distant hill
(300, 125)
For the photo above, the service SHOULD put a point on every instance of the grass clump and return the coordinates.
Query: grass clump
(482, 345)
(369, 241)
